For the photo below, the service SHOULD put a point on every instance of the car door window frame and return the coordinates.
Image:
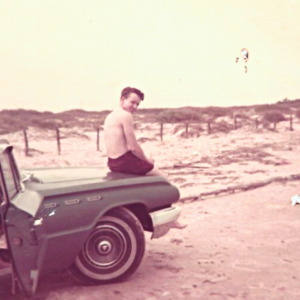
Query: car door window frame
(12, 169)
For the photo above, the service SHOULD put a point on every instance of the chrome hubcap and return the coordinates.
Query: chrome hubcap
(109, 251)
(104, 247)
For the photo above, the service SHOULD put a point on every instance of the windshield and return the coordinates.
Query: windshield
(8, 175)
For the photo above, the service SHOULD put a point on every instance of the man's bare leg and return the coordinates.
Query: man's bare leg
(179, 225)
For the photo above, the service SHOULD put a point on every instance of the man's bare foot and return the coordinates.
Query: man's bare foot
(178, 225)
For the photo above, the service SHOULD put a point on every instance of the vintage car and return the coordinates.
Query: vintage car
(86, 220)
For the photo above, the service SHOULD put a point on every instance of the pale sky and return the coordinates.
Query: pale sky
(58, 55)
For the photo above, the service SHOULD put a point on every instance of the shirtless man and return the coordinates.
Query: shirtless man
(124, 153)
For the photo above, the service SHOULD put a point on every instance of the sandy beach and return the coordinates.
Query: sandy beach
(237, 246)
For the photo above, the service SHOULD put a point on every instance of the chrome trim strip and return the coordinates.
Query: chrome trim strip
(94, 198)
(72, 201)
(50, 205)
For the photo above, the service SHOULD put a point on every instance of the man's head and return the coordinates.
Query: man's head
(130, 99)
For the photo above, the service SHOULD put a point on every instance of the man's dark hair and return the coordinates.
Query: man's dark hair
(125, 92)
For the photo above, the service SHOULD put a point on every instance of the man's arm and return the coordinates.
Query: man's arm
(132, 143)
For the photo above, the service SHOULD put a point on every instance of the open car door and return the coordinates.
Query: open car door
(18, 209)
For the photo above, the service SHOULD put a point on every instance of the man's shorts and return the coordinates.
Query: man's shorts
(130, 164)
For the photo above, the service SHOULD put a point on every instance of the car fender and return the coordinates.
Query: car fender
(61, 248)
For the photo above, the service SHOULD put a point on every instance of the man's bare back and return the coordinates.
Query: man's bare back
(115, 139)
(124, 153)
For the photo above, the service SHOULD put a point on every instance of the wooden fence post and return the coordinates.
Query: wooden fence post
(26, 142)
(291, 122)
(256, 123)
(98, 139)
(208, 127)
(235, 122)
(186, 130)
(274, 128)
(58, 140)
(161, 131)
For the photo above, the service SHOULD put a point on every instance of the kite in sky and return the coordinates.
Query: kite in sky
(245, 55)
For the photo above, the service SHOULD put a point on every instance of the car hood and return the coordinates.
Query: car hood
(52, 182)
(70, 174)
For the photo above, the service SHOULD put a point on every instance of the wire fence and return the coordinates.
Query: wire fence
(208, 127)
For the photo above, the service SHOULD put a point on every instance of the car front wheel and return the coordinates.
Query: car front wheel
(113, 250)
